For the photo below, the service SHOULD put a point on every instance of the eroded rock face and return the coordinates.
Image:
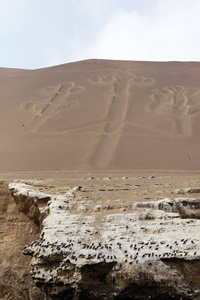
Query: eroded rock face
(15, 231)
(26, 199)
(92, 250)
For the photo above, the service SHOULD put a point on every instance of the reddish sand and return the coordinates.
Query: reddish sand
(101, 114)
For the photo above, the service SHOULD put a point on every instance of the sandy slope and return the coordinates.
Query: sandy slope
(100, 114)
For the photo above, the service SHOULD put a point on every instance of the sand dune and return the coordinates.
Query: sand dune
(101, 114)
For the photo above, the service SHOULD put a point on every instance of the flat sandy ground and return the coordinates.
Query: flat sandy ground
(130, 186)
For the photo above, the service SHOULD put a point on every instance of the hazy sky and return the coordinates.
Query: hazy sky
(39, 33)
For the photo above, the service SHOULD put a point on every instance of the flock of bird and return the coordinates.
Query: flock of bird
(52, 257)
(63, 247)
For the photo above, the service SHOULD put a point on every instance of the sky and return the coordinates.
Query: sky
(41, 33)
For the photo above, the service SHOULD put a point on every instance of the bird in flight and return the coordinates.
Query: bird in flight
(187, 155)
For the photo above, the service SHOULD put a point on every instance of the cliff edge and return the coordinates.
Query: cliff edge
(93, 248)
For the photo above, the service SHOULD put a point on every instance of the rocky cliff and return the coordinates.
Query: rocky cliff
(16, 230)
(86, 247)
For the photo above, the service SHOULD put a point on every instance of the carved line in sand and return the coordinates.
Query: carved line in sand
(108, 143)
(181, 104)
(139, 80)
(58, 100)
(111, 104)
(101, 80)
(113, 81)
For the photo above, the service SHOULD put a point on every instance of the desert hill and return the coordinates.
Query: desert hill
(101, 114)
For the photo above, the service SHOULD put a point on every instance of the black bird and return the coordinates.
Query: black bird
(187, 155)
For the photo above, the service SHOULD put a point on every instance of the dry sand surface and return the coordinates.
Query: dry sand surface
(101, 114)
(128, 186)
